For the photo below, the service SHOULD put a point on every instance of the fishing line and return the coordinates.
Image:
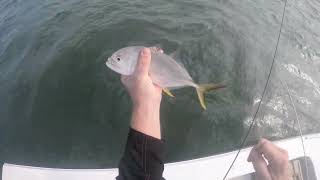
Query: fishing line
(299, 125)
(262, 96)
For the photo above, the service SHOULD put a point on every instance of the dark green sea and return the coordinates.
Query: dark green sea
(60, 106)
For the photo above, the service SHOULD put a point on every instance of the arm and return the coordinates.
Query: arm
(144, 153)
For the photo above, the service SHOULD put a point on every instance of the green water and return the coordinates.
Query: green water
(60, 106)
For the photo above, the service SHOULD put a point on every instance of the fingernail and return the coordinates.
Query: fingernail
(144, 52)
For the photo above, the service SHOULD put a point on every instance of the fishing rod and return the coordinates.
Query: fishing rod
(299, 126)
(262, 96)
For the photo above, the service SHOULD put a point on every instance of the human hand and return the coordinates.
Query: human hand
(139, 85)
(278, 168)
(146, 97)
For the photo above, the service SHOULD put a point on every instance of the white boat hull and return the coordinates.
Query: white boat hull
(208, 168)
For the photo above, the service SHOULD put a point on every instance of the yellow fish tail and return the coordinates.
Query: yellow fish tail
(203, 89)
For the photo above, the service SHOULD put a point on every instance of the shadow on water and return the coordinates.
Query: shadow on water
(213, 58)
(73, 112)
(78, 113)
(60, 106)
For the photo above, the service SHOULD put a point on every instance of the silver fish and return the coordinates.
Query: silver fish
(164, 70)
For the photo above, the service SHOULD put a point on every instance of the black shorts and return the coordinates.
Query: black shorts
(143, 158)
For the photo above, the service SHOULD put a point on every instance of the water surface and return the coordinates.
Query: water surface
(60, 106)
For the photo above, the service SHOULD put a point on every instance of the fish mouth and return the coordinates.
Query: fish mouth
(108, 62)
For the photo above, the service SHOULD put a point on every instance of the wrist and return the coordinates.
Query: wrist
(146, 102)
(146, 119)
(146, 106)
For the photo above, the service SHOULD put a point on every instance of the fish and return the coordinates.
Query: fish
(164, 71)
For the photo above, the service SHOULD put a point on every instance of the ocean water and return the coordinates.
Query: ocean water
(60, 106)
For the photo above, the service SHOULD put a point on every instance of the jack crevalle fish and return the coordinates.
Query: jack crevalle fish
(164, 70)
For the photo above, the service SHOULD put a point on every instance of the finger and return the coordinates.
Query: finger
(259, 165)
(124, 79)
(249, 159)
(282, 150)
(268, 149)
(144, 61)
(158, 88)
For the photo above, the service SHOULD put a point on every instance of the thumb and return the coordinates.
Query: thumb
(144, 61)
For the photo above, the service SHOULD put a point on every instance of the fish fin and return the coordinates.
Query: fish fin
(158, 45)
(167, 92)
(156, 48)
(203, 89)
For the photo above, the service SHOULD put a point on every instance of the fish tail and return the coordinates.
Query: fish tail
(202, 89)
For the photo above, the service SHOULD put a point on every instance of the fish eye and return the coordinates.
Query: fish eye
(118, 58)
